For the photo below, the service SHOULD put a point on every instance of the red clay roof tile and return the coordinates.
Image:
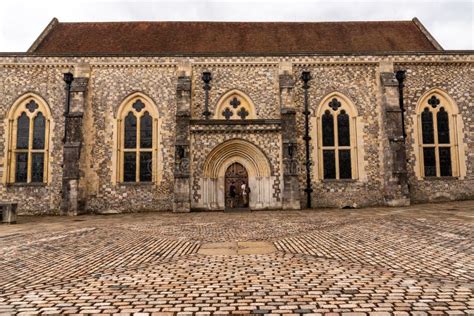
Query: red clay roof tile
(233, 37)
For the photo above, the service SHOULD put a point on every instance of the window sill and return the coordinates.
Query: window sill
(440, 178)
(338, 180)
(39, 184)
(132, 184)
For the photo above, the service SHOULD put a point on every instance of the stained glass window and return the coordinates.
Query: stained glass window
(343, 133)
(146, 131)
(130, 131)
(427, 126)
(436, 140)
(145, 166)
(29, 149)
(39, 127)
(21, 174)
(443, 126)
(37, 167)
(129, 166)
(329, 163)
(139, 145)
(336, 140)
(328, 129)
(445, 161)
(345, 164)
(23, 131)
(429, 160)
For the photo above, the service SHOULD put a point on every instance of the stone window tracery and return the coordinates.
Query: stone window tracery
(337, 151)
(28, 149)
(138, 127)
(437, 129)
(235, 105)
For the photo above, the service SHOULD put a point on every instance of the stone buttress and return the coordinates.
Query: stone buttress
(291, 194)
(181, 199)
(395, 180)
(73, 199)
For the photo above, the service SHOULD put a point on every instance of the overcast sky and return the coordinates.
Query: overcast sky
(450, 22)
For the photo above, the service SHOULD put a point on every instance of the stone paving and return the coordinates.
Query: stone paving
(416, 260)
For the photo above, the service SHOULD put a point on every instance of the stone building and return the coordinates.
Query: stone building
(178, 115)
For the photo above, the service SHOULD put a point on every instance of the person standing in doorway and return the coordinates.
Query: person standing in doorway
(245, 191)
(232, 194)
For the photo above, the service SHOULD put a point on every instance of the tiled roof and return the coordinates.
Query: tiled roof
(233, 37)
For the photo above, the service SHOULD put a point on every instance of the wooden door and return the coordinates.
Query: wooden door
(235, 175)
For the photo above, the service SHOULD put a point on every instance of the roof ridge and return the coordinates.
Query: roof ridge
(242, 22)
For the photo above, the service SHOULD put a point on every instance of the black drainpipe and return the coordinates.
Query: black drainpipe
(68, 78)
(306, 76)
(206, 77)
(400, 75)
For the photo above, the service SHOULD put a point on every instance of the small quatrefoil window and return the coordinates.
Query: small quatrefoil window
(138, 105)
(235, 102)
(227, 113)
(31, 106)
(433, 101)
(334, 104)
(243, 113)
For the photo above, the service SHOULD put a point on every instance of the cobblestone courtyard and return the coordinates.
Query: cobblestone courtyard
(416, 259)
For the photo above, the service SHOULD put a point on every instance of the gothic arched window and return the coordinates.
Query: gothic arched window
(437, 119)
(336, 147)
(28, 153)
(138, 142)
(235, 105)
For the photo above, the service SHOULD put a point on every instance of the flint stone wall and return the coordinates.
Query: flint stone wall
(48, 83)
(359, 83)
(114, 78)
(458, 81)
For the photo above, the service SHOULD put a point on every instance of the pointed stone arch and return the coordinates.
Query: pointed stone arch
(456, 144)
(255, 162)
(333, 104)
(39, 107)
(242, 101)
(146, 106)
(236, 150)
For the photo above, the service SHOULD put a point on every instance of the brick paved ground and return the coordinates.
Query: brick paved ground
(418, 260)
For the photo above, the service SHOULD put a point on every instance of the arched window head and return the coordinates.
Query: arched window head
(336, 121)
(235, 105)
(437, 135)
(137, 154)
(28, 143)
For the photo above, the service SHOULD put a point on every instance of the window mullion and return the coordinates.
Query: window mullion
(46, 151)
(11, 152)
(420, 146)
(436, 144)
(455, 147)
(154, 146)
(336, 144)
(30, 149)
(353, 147)
(120, 151)
(137, 156)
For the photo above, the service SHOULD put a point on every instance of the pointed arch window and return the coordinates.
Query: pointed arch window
(138, 142)
(336, 145)
(437, 121)
(28, 149)
(235, 105)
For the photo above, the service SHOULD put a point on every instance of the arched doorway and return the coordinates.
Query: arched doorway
(235, 176)
(213, 189)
